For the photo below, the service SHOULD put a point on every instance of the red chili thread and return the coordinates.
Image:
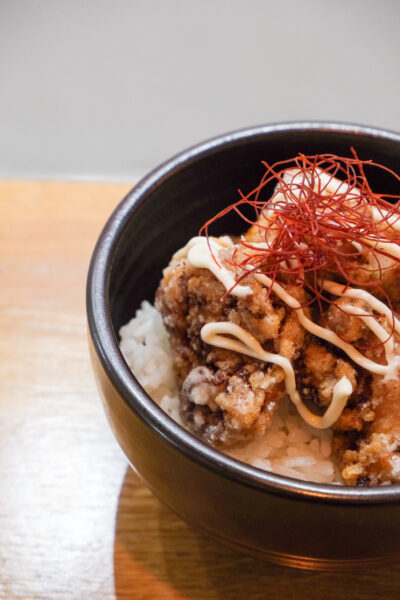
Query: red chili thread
(310, 235)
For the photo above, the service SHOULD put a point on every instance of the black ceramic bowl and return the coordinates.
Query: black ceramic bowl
(277, 518)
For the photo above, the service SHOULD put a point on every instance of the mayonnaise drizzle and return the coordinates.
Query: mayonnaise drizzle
(393, 360)
(245, 343)
(322, 332)
(380, 215)
(389, 247)
(341, 290)
(199, 252)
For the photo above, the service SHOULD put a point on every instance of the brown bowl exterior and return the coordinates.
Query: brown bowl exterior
(276, 518)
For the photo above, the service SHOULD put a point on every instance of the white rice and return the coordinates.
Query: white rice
(290, 447)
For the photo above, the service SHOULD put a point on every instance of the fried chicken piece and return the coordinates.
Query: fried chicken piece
(226, 397)
(376, 457)
(323, 370)
(319, 372)
(349, 327)
(372, 456)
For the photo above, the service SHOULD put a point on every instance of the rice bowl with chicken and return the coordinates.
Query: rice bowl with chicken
(282, 347)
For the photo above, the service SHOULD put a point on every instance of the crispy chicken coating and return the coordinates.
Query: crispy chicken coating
(371, 456)
(226, 397)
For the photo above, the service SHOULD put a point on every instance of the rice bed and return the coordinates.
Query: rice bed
(290, 447)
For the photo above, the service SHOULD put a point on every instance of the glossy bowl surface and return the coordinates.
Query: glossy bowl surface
(292, 522)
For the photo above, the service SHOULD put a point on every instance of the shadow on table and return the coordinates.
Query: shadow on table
(157, 556)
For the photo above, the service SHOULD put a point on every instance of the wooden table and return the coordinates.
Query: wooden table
(75, 522)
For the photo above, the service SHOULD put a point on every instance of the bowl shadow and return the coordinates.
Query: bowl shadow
(158, 556)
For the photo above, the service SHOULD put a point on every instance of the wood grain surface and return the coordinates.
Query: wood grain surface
(75, 522)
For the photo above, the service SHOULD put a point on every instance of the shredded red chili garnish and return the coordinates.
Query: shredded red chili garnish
(310, 233)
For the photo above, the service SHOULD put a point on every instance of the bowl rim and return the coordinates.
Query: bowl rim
(106, 346)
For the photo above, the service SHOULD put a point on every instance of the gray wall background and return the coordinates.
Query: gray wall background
(107, 90)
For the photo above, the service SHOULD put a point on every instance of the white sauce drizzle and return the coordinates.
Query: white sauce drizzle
(381, 215)
(199, 255)
(393, 359)
(341, 290)
(223, 242)
(389, 247)
(357, 245)
(245, 343)
(325, 334)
